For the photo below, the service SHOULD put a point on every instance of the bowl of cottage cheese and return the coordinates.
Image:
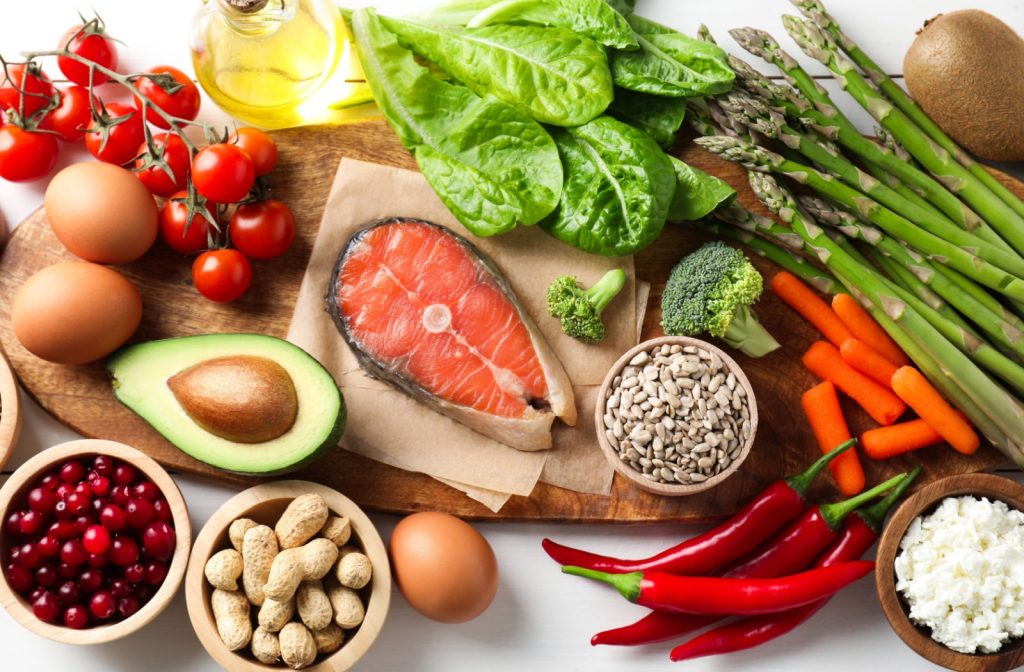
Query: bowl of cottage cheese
(950, 572)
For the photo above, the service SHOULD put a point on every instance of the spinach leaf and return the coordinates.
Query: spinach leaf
(669, 63)
(697, 193)
(657, 116)
(618, 187)
(492, 165)
(592, 18)
(552, 74)
(624, 7)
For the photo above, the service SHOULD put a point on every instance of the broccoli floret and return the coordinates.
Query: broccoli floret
(580, 309)
(711, 291)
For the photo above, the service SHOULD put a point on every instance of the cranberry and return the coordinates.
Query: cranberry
(41, 500)
(113, 517)
(63, 490)
(147, 490)
(29, 556)
(120, 588)
(72, 472)
(159, 541)
(62, 512)
(156, 572)
(98, 560)
(144, 591)
(83, 488)
(62, 530)
(13, 523)
(46, 576)
(69, 593)
(90, 580)
(32, 522)
(103, 465)
(125, 474)
(79, 502)
(123, 550)
(14, 554)
(73, 553)
(45, 607)
(50, 480)
(128, 605)
(67, 571)
(96, 539)
(163, 511)
(83, 523)
(76, 617)
(120, 494)
(140, 512)
(134, 573)
(36, 593)
(19, 578)
(101, 486)
(48, 546)
(103, 605)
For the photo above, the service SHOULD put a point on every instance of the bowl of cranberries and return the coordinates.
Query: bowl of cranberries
(95, 542)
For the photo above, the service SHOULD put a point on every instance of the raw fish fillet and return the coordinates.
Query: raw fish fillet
(424, 311)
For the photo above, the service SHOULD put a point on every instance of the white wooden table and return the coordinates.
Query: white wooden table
(540, 619)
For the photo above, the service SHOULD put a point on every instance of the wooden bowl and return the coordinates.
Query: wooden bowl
(634, 476)
(10, 410)
(16, 489)
(924, 502)
(265, 504)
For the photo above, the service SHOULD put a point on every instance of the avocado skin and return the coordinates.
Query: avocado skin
(123, 357)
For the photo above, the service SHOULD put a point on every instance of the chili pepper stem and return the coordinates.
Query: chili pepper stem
(628, 585)
(801, 483)
(874, 515)
(833, 514)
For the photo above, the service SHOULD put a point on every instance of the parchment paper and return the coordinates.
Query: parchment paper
(390, 427)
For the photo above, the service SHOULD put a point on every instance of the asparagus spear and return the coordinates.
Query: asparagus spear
(831, 122)
(972, 265)
(995, 407)
(815, 11)
(884, 139)
(818, 44)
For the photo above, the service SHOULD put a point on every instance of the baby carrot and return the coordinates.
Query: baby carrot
(821, 404)
(803, 300)
(914, 388)
(882, 443)
(866, 329)
(868, 361)
(824, 361)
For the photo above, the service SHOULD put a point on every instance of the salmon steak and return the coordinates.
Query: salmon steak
(426, 312)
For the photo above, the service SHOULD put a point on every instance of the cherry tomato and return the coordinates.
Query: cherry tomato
(223, 173)
(175, 153)
(123, 140)
(25, 155)
(38, 89)
(86, 42)
(262, 230)
(183, 103)
(71, 117)
(222, 275)
(259, 146)
(180, 234)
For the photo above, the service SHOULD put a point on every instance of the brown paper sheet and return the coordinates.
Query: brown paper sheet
(390, 427)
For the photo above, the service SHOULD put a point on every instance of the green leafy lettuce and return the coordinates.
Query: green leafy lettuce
(657, 116)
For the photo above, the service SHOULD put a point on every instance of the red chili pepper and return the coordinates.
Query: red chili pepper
(859, 533)
(722, 596)
(779, 503)
(790, 551)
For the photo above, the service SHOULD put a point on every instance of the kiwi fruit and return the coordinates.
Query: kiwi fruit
(966, 70)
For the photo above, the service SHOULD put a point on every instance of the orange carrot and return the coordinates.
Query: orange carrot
(821, 404)
(914, 388)
(824, 361)
(866, 359)
(803, 300)
(882, 443)
(866, 329)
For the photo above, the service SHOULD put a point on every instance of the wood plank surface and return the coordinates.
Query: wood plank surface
(81, 398)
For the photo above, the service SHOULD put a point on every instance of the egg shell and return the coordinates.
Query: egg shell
(75, 312)
(443, 567)
(101, 213)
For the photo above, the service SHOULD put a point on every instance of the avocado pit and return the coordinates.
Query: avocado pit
(244, 398)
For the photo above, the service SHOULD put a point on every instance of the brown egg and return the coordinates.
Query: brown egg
(444, 568)
(75, 312)
(101, 213)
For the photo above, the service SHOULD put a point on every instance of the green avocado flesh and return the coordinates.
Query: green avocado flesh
(141, 372)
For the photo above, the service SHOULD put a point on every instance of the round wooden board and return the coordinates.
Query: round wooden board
(80, 397)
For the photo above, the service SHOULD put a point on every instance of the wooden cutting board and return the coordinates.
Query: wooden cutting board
(81, 398)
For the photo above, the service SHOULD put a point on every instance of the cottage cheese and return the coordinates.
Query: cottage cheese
(961, 570)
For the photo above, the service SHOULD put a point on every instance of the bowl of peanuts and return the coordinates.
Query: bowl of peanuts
(289, 574)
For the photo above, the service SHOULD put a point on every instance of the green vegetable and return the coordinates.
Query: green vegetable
(617, 191)
(552, 74)
(490, 164)
(579, 309)
(711, 290)
(591, 18)
(657, 116)
(669, 63)
(697, 193)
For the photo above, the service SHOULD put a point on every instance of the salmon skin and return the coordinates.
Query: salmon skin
(426, 312)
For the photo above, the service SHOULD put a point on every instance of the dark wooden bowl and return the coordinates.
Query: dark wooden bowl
(916, 637)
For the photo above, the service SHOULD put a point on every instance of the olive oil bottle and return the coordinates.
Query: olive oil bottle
(278, 63)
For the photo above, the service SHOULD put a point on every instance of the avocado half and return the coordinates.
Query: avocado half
(140, 374)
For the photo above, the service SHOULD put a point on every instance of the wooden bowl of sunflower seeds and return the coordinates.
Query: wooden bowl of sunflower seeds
(676, 416)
